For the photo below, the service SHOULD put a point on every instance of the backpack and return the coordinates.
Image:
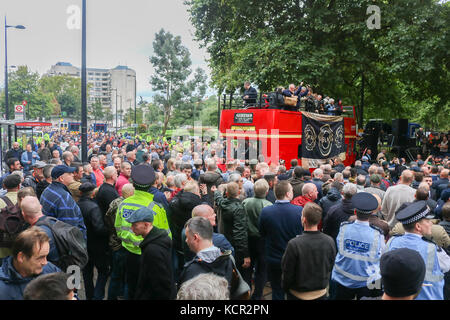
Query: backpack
(69, 241)
(11, 223)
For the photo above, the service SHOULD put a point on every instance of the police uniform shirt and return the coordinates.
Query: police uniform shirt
(360, 247)
(432, 256)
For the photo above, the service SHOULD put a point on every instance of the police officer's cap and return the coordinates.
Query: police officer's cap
(143, 175)
(414, 212)
(402, 272)
(364, 202)
(86, 187)
(142, 214)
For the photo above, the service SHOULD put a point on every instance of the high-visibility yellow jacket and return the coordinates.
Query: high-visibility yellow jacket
(140, 199)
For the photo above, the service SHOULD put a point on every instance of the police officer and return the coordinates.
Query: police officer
(360, 246)
(142, 177)
(415, 219)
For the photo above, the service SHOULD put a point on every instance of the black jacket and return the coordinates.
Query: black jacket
(156, 280)
(308, 261)
(105, 195)
(180, 211)
(40, 187)
(252, 95)
(297, 186)
(336, 215)
(211, 179)
(97, 232)
(332, 198)
(221, 266)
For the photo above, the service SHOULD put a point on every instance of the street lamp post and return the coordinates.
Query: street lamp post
(116, 107)
(6, 78)
(135, 122)
(83, 87)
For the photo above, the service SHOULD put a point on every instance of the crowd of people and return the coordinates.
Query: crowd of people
(304, 98)
(177, 220)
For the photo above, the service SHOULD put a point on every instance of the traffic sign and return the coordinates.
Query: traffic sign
(19, 108)
(24, 102)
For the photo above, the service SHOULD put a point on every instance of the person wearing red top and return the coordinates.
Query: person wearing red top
(99, 177)
(309, 194)
(125, 172)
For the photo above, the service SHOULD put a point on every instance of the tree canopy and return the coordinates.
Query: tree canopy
(328, 44)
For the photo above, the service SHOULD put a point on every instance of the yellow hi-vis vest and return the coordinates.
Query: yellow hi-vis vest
(140, 199)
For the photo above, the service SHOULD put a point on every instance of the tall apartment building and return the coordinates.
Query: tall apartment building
(116, 88)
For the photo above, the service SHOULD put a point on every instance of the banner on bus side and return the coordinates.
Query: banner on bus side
(323, 138)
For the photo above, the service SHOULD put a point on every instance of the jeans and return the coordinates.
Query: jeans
(256, 249)
(133, 263)
(102, 264)
(274, 276)
(117, 284)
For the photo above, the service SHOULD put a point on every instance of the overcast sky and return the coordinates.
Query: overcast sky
(118, 33)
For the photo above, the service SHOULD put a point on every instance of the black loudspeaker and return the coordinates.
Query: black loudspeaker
(400, 132)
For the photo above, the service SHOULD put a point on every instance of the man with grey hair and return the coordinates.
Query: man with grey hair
(360, 182)
(340, 212)
(253, 207)
(317, 180)
(67, 158)
(205, 286)
(208, 258)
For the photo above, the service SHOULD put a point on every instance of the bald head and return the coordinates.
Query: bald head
(205, 211)
(310, 190)
(407, 177)
(127, 190)
(31, 208)
(110, 173)
(444, 174)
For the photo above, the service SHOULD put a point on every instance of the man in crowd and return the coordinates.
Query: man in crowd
(395, 196)
(143, 177)
(125, 172)
(308, 260)
(155, 280)
(99, 177)
(27, 262)
(208, 258)
(360, 246)
(15, 152)
(278, 224)
(107, 192)
(253, 207)
(57, 201)
(415, 218)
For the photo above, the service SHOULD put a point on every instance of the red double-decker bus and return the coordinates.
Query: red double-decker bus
(274, 133)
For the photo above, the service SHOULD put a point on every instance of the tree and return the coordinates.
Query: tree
(24, 85)
(67, 91)
(97, 110)
(171, 62)
(328, 45)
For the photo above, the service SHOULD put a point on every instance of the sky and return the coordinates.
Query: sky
(118, 33)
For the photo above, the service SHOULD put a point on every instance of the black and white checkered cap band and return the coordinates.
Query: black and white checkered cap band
(364, 211)
(417, 217)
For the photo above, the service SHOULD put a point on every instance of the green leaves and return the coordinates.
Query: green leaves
(178, 95)
(328, 45)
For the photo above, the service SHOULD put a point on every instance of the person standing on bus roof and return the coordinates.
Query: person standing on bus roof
(250, 94)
